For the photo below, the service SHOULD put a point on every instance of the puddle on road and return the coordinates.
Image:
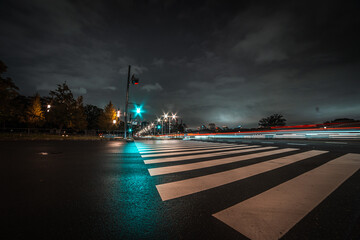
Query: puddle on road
(47, 153)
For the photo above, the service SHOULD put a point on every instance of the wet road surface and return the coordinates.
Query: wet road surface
(178, 190)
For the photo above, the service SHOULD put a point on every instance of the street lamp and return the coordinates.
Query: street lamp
(166, 118)
(135, 81)
(153, 126)
(173, 118)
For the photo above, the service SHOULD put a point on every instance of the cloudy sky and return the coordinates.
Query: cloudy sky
(223, 62)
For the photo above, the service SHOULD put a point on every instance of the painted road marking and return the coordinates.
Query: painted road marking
(212, 163)
(297, 144)
(179, 145)
(182, 188)
(146, 146)
(191, 157)
(202, 150)
(184, 144)
(183, 148)
(152, 150)
(336, 142)
(273, 213)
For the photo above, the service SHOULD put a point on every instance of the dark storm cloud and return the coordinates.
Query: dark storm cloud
(230, 62)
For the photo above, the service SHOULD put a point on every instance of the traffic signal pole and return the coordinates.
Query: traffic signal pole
(127, 102)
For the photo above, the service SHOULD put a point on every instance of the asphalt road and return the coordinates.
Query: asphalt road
(180, 190)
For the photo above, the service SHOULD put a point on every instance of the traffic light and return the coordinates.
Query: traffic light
(158, 127)
(138, 110)
(134, 80)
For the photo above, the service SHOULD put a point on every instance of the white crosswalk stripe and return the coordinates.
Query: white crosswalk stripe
(165, 151)
(156, 148)
(205, 155)
(182, 188)
(212, 163)
(268, 215)
(273, 213)
(150, 147)
(188, 151)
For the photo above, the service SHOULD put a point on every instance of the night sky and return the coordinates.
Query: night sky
(223, 62)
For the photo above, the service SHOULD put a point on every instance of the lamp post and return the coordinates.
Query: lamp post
(135, 81)
(153, 125)
(127, 101)
(159, 120)
(173, 117)
(166, 118)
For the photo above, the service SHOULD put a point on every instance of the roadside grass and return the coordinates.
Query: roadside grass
(38, 136)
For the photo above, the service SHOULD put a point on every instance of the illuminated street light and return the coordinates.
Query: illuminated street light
(166, 115)
(138, 110)
(134, 81)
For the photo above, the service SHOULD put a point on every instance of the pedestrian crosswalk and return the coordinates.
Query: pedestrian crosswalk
(268, 215)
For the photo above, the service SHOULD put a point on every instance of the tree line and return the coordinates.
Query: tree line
(58, 110)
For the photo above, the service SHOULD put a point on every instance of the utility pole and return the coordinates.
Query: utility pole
(127, 102)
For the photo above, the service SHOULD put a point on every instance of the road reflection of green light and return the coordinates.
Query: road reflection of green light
(135, 201)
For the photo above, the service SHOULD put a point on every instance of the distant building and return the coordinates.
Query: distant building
(212, 126)
(144, 124)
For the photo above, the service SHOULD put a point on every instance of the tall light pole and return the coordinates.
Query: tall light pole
(159, 120)
(135, 81)
(174, 118)
(153, 125)
(166, 117)
(127, 101)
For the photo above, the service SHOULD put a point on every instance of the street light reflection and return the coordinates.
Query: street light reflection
(135, 201)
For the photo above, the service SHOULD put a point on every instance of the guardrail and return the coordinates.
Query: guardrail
(318, 133)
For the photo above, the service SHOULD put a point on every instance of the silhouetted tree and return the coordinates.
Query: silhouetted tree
(107, 117)
(78, 120)
(62, 106)
(8, 92)
(92, 116)
(272, 121)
